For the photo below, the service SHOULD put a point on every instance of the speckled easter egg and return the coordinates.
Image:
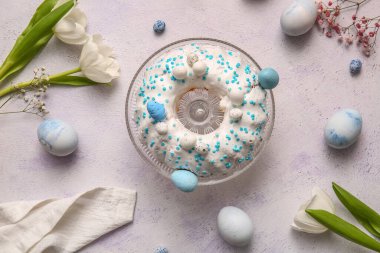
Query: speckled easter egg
(343, 128)
(156, 110)
(299, 17)
(180, 72)
(184, 180)
(57, 137)
(235, 226)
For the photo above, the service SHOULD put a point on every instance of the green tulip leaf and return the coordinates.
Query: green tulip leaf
(36, 35)
(72, 81)
(344, 229)
(369, 218)
(42, 10)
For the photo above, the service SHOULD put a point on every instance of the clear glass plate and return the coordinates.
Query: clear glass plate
(143, 150)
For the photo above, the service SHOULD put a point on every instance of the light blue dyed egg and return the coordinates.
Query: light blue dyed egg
(184, 180)
(299, 17)
(268, 78)
(161, 250)
(343, 128)
(57, 137)
(156, 110)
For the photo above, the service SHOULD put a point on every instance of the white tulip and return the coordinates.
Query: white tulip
(97, 62)
(305, 223)
(71, 29)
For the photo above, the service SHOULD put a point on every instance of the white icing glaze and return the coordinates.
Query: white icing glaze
(233, 79)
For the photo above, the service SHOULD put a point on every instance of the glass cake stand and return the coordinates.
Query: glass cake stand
(144, 151)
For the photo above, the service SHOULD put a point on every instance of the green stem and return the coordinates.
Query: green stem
(23, 85)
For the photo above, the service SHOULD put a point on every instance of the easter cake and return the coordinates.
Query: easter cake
(201, 111)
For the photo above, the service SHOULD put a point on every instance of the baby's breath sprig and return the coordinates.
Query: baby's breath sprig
(362, 29)
(32, 95)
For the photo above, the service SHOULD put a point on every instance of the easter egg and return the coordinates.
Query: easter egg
(299, 17)
(268, 78)
(184, 180)
(343, 128)
(235, 226)
(57, 137)
(161, 250)
(159, 26)
(199, 68)
(355, 66)
(156, 110)
(180, 72)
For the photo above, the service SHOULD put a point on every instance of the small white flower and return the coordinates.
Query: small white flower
(305, 223)
(97, 62)
(71, 29)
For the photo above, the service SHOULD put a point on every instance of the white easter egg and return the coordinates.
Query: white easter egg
(236, 113)
(199, 68)
(188, 141)
(235, 226)
(299, 17)
(180, 72)
(57, 137)
(343, 128)
(236, 96)
(161, 128)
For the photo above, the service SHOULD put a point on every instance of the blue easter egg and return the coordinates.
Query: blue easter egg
(355, 66)
(57, 137)
(161, 250)
(184, 180)
(159, 26)
(156, 110)
(268, 78)
(343, 128)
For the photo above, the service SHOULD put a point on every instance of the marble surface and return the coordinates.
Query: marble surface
(315, 82)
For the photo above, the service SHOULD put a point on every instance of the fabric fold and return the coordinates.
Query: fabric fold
(64, 225)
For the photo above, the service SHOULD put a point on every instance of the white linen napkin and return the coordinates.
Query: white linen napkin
(64, 225)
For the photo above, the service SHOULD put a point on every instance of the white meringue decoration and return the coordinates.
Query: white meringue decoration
(71, 29)
(192, 58)
(199, 68)
(201, 148)
(188, 141)
(97, 62)
(299, 17)
(162, 128)
(180, 72)
(305, 223)
(236, 96)
(236, 113)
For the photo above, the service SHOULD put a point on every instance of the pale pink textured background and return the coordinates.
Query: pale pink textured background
(315, 82)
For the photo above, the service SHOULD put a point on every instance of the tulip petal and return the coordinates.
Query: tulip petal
(304, 222)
